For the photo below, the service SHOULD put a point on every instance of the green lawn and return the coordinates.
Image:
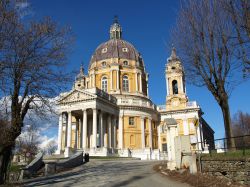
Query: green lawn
(238, 154)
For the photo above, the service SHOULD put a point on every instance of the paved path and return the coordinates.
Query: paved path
(109, 173)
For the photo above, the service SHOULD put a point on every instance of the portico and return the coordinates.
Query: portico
(88, 120)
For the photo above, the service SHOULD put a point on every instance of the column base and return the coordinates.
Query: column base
(68, 151)
(58, 152)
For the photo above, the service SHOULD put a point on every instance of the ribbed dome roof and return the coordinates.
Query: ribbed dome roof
(115, 48)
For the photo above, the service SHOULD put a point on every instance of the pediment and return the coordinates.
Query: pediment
(76, 96)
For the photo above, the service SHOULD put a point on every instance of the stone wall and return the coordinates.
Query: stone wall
(237, 170)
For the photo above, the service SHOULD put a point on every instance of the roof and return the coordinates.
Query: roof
(115, 48)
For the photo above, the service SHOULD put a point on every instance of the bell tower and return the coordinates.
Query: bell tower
(175, 83)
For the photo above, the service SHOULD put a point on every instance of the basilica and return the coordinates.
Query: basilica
(108, 112)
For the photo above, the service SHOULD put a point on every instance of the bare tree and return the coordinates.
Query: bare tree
(50, 148)
(241, 127)
(241, 123)
(204, 34)
(32, 68)
(27, 143)
(238, 13)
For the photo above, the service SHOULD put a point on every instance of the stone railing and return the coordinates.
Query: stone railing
(32, 167)
(53, 165)
(190, 104)
(136, 102)
(161, 107)
(102, 94)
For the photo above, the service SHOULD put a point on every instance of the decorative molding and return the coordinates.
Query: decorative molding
(76, 96)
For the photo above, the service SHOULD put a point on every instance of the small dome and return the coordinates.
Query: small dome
(81, 75)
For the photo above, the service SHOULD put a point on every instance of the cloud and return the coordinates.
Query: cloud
(22, 4)
(45, 140)
(45, 126)
(24, 8)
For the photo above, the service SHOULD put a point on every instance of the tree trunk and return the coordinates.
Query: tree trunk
(230, 142)
(5, 157)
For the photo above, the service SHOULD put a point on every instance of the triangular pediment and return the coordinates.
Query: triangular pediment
(76, 96)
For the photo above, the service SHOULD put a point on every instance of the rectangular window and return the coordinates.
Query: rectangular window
(131, 121)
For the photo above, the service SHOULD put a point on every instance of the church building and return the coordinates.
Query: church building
(109, 112)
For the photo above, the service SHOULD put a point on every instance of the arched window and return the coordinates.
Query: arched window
(104, 64)
(125, 83)
(105, 84)
(125, 63)
(175, 87)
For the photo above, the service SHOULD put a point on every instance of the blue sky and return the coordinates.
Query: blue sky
(147, 25)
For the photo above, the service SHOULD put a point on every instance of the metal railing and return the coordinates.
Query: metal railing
(222, 145)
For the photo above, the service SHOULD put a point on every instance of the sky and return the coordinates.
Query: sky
(147, 25)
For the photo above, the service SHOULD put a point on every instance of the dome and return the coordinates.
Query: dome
(115, 48)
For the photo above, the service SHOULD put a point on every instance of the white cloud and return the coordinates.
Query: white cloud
(45, 128)
(45, 140)
(22, 4)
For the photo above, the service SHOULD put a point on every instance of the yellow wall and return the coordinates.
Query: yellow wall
(123, 70)
(134, 132)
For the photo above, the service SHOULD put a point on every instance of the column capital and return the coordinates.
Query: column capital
(143, 117)
(100, 113)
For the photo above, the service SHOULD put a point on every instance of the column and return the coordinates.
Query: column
(94, 80)
(66, 130)
(142, 134)
(69, 129)
(105, 134)
(60, 134)
(150, 133)
(136, 82)
(117, 79)
(166, 77)
(140, 83)
(84, 129)
(181, 90)
(120, 142)
(185, 127)
(76, 133)
(80, 129)
(114, 131)
(101, 129)
(159, 137)
(94, 128)
(111, 80)
(147, 84)
(109, 131)
(90, 81)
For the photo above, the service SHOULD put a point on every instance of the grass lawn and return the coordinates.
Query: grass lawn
(238, 154)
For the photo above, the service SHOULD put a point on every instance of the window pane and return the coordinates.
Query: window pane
(125, 84)
(104, 84)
